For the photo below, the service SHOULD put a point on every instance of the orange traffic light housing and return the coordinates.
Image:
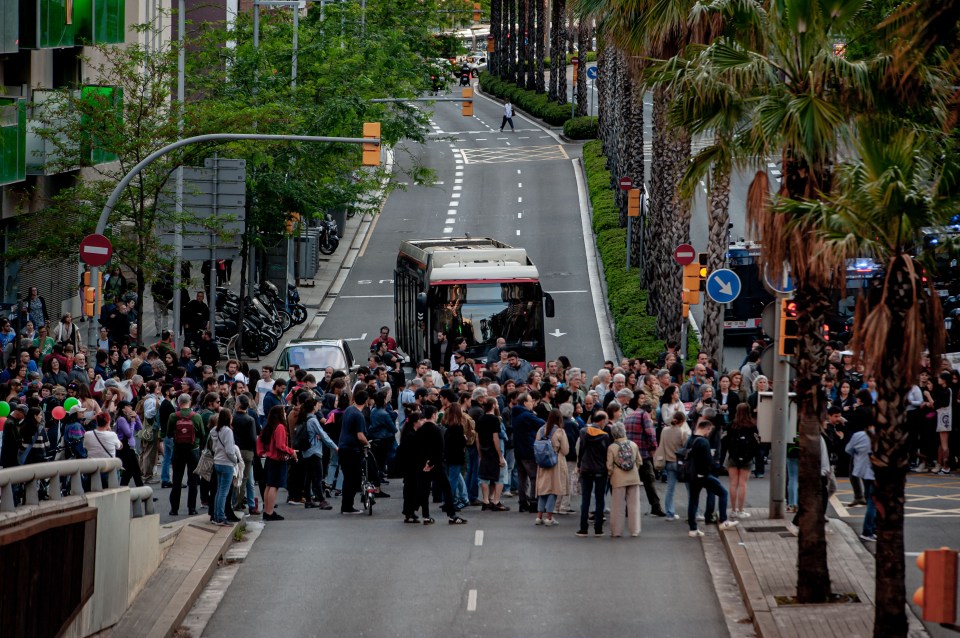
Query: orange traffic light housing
(476, 12)
(937, 599)
(467, 96)
(789, 331)
(576, 68)
(491, 47)
(371, 150)
(702, 271)
(633, 202)
(691, 284)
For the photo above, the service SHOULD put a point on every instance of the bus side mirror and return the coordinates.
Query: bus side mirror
(548, 308)
(421, 303)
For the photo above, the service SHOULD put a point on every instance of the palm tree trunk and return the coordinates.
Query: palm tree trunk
(530, 40)
(522, 42)
(583, 33)
(813, 573)
(493, 60)
(655, 231)
(618, 104)
(560, 37)
(712, 329)
(633, 153)
(513, 67)
(541, 33)
(603, 132)
(571, 28)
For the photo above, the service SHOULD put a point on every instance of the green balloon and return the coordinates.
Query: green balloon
(4, 408)
(69, 403)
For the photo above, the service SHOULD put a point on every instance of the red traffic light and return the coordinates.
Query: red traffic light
(790, 309)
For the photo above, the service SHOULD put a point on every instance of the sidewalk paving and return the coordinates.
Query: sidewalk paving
(763, 554)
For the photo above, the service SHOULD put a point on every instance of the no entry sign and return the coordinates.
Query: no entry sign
(626, 183)
(684, 254)
(95, 250)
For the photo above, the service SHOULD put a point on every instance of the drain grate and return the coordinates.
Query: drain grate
(770, 529)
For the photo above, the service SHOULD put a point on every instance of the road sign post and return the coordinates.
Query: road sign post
(778, 446)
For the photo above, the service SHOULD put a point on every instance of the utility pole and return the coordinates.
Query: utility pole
(781, 412)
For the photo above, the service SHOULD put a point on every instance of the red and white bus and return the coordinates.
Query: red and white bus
(474, 287)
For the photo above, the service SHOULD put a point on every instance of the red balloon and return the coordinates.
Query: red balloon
(59, 413)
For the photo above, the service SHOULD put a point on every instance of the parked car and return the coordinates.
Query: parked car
(315, 356)
(477, 63)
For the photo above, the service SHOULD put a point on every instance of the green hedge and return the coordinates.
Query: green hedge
(636, 331)
(581, 128)
(536, 104)
(591, 57)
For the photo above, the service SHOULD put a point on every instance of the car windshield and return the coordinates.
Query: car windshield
(314, 357)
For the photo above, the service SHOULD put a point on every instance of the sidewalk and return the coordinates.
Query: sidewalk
(763, 554)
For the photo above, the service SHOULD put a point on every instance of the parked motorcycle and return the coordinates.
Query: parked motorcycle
(329, 237)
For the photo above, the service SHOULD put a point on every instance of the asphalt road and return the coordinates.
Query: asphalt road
(320, 573)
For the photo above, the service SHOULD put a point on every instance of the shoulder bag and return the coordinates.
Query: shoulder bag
(204, 467)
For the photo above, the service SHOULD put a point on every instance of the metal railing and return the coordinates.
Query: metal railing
(53, 471)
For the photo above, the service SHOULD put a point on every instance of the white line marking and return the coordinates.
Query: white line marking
(453, 204)
(447, 230)
(907, 554)
(95, 250)
(519, 200)
(518, 171)
(455, 195)
(519, 215)
(508, 143)
(458, 181)
(458, 188)
(523, 138)
(472, 600)
(518, 232)
(481, 139)
(438, 183)
(451, 220)
(599, 303)
(501, 138)
(478, 538)
(458, 174)
(519, 184)
(452, 211)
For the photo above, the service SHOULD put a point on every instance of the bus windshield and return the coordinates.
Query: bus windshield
(483, 312)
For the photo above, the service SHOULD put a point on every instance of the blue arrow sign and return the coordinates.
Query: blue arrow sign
(723, 285)
(785, 288)
(592, 72)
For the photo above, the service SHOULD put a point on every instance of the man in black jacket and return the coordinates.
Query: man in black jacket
(592, 465)
(429, 457)
(704, 478)
(245, 436)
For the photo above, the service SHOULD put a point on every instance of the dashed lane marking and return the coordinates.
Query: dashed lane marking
(478, 538)
(472, 600)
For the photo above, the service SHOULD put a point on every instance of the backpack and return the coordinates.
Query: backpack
(301, 437)
(543, 452)
(741, 446)
(685, 462)
(73, 440)
(184, 432)
(625, 459)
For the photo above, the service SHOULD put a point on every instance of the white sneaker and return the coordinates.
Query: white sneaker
(551, 522)
(675, 517)
(734, 514)
(700, 517)
(742, 514)
(695, 533)
(728, 524)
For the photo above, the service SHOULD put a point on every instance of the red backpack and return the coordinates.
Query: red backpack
(184, 431)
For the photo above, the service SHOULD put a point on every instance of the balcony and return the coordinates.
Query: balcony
(99, 97)
(13, 140)
(51, 24)
(9, 26)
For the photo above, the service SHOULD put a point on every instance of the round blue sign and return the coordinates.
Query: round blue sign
(592, 72)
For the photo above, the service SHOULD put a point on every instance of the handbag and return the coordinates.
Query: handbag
(238, 469)
(204, 467)
(659, 458)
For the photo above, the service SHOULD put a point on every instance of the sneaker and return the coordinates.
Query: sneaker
(695, 533)
(166, 484)
(174, 514)
(920, 469)
(551, 522)
(507, 495)
(309, 505)
(700, 517)
(791, 509)
(485, 507)
(658, 512)
(598, 533)
(673, 517)
(499, 507)
(734, 514)
(475, 503)
(582, 533)
(869, 538)
(192, 512)
(728, 524)
(935, 469)
(272, 517)
(291, 502)
(714, 518)
(324, 505)
(351, 511)
(538, 521)
(856, 503)
(743, 514)
(944, 471)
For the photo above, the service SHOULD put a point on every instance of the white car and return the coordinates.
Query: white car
(477, 63)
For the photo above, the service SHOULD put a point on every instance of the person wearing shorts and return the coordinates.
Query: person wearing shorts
(492, 462)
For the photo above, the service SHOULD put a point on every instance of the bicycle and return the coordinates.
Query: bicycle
(368, 490)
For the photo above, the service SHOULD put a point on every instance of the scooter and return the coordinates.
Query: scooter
(329, 239)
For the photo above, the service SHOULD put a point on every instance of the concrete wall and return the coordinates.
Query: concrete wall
(144, 553)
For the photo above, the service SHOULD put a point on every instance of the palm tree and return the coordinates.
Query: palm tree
(496, 18)
(539, 34)
(583, 39)
(900, 182)
(558, 52)
(530, 42)
(523, 45)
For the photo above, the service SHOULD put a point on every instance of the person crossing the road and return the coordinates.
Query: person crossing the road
(507, 116)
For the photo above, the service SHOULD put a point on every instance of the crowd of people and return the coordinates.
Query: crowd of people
(460, 435)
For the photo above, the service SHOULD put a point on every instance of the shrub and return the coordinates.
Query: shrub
(536, 104)
(635, 330)
(581, 128)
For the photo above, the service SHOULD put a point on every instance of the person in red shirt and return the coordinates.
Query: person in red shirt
(272, 444)
(384, 338)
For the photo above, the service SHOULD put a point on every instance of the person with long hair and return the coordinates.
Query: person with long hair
(943, 402)
(670, 404)
(128, 424)
(225, 457)
(623, 457)
(313, 455)
(860, 448)
(552, 482)
(742, 442)
(454, 449)
(272, 445)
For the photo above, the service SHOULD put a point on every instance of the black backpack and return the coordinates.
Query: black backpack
(685, 462)
(301, 438)
(742, 446)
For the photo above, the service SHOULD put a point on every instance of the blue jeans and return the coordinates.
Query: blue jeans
(457, 486)
(224, 481)
(546, 503)
(596, 483)
(473, 473)
(870, 516)
(670, 469)
(793, 470)
(510, 485)
(713, 487)
(334, 474)
(167, 460)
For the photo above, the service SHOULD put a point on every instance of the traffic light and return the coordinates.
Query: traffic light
(371, 150)
(633, 202)
(937, 599)
(476, 12)
(293, 219)
(691, 284)
(789, 333)
(467, 96)
(576, 67)
(702, 271)
(491, 47)
(91, 303)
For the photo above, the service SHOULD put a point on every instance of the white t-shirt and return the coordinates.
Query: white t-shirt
(263, 389)
(508, 110)
(101, 445)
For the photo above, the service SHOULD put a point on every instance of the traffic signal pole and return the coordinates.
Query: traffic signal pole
(781, 425)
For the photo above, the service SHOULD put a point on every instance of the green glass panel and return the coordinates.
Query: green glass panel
(53, 30)
(101, 97)
(9, 25)
(100, 21)
(13, 140)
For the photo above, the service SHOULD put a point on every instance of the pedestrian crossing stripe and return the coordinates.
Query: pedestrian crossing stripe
(499, 155)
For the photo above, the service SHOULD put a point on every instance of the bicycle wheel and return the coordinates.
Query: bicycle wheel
(370, 502)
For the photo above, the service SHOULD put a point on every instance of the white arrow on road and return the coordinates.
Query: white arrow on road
(726, 287)
(360, 338)
(557, 333)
